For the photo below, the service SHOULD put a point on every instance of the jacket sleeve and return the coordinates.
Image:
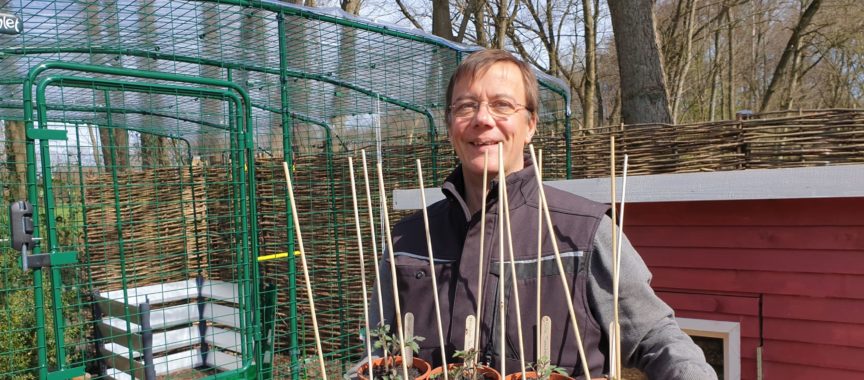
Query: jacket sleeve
(650, 338)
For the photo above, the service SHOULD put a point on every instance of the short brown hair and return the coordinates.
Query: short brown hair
(479, 62)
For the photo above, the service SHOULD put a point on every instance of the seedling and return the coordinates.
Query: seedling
(465, 371)
(544, 369)
(388, 342)
(469, 355)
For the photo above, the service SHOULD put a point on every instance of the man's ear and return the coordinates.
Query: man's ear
(532, 128)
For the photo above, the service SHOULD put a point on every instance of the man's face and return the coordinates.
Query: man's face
(473, 135)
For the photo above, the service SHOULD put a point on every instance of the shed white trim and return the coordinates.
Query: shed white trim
(729, 332)
(841, 181)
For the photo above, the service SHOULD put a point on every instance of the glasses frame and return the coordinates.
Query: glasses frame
(496, 115)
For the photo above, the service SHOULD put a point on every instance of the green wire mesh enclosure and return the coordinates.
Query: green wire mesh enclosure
(149, 137)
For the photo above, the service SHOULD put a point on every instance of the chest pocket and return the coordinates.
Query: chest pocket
(552, 303)
(416, 295)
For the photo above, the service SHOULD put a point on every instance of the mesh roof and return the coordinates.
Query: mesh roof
(340, 69)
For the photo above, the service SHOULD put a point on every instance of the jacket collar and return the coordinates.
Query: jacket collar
(521, 188)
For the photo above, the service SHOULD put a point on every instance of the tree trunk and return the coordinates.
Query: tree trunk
(755, 38)
(712, 98)
(94, 144)
(789, 52)
(94, 13)
(730, 68)
(118, 129)
(794, 78)
(480, 22)
(554, 67)
(441, 25)
(643, 89)
(502, 23)
(152, 146)
(211, 145)
(614, 117)
(351, 6)
(715, 76)
(16, 159)
(682, 64)
(589, 99)
(342, 104)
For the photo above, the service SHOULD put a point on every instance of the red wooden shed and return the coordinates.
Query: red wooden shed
(780, 252)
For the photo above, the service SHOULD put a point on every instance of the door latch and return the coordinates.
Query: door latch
(21, 223)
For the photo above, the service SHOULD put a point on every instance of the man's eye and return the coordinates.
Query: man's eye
(466, 107)
(502, 105)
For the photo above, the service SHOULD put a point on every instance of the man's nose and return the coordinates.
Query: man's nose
(483, 116)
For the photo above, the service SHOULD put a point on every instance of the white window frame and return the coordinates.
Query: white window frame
(729, 332)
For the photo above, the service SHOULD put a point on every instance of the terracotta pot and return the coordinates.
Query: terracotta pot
(421, 365)
(533, 375)
(484, 372)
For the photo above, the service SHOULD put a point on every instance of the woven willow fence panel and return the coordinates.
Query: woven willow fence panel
(829, 137)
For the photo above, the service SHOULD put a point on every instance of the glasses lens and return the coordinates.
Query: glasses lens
(502, 108)
(465, 109)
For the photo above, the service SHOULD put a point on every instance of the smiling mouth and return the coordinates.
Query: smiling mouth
(485, 143)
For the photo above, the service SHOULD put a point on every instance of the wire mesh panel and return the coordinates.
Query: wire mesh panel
(158, 220)
(154, 187)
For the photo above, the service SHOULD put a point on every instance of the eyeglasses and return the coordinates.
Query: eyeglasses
(499, 108)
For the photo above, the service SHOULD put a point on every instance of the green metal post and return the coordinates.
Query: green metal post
(84, 223)
(32, 195)
(287, 149)
(50, 217)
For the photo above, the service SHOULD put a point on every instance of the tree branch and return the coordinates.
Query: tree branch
(408, 15)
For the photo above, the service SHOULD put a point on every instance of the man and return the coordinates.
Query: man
(493, 98)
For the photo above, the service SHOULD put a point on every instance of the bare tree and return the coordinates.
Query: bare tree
(480, 23)
(677, 48)
(730, 66)
(410, 17)
(790, 53)
(589, 99)
(109, 137)
(351, 6)
(152, 145)
(210, 143)
(16, 159)
(441, 25)
(716, 57)
(643, 89)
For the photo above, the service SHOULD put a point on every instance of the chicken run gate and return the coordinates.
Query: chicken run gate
(142, 148)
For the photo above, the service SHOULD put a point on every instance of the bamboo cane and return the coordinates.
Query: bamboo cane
(617, 270)
(616, 326)
(482, 265)
(501, 309)
(568, 296)
(506, 212)
(374, 241)
(432, 269)
(387, 232)
(362, 264)
(305, 269)
(621, 218)
(539, 165)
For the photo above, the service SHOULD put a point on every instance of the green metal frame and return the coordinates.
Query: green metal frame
(251, 339)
